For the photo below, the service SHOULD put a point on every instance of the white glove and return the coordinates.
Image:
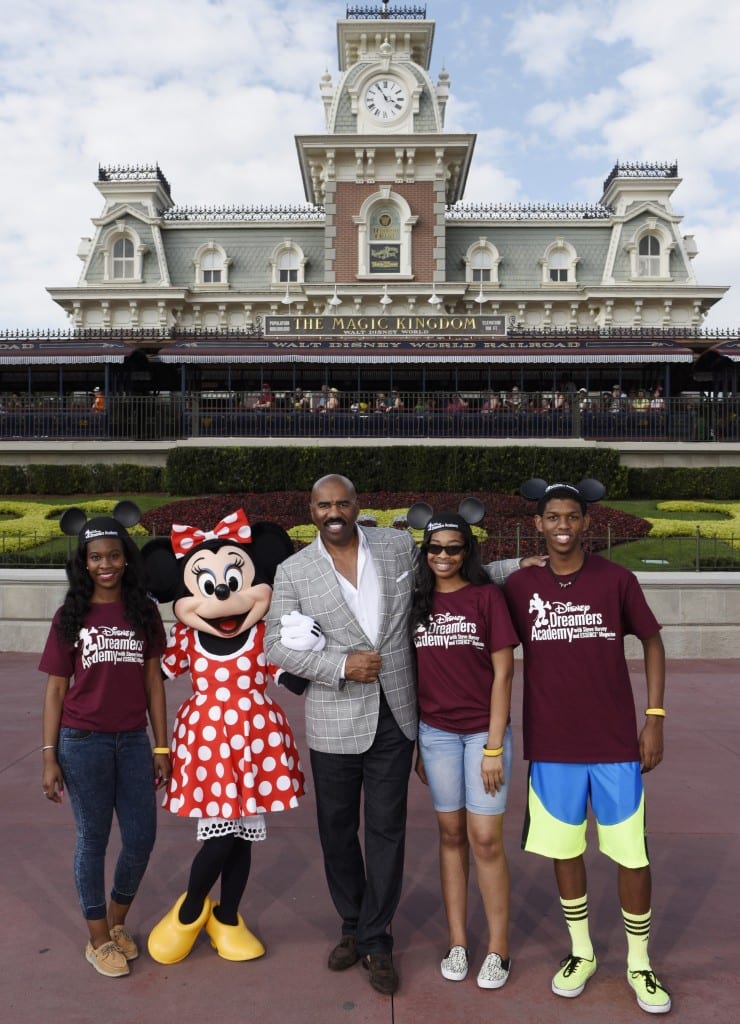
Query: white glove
(301, 633)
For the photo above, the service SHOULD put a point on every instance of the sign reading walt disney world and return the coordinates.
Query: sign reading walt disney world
(434, 325)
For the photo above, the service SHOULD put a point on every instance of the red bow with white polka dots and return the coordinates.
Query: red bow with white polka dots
(232, 527)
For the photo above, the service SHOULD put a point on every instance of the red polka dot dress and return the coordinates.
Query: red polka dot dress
(233, 752)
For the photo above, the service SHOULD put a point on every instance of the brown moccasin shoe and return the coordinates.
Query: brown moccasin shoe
(383, 975)
(344, 954)
(124, 940)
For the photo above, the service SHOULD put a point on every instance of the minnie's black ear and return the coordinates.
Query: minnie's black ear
(127, 513)
(163, 571)
(591, 490)
(72, 520)
(472, 510)
(270, 546)
(533, 489)
(419, 515)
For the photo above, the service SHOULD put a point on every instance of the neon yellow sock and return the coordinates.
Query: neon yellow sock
(576, 918)
(637, 927)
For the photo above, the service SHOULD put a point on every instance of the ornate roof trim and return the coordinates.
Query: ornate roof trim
(528, 211)
(276, 213)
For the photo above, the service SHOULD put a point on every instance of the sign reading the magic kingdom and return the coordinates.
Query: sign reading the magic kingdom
(412, 325)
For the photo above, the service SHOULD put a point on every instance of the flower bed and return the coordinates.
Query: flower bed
(505, 515)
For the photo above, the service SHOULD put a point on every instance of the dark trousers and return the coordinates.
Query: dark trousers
(365, 891)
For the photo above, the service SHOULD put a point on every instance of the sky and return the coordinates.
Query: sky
(214, 91)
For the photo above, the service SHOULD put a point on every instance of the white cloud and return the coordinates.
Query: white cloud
(215, 91)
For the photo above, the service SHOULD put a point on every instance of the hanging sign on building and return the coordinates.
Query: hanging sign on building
(434, 325)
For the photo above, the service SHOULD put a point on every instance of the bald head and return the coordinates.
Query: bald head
(334, 480)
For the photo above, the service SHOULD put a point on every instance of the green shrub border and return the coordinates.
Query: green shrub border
(214, 470)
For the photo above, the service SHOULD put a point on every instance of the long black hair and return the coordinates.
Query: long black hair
(140, 610)
(470, 570)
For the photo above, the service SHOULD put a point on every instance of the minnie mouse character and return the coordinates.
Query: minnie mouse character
(234, 758)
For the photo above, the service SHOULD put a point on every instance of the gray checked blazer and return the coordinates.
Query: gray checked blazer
(341, 718)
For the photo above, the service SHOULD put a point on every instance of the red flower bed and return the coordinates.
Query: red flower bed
(505, 514)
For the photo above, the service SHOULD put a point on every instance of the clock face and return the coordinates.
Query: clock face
(385, 99)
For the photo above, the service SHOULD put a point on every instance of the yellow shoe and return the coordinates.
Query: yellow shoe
(170, 940)
(233, 941)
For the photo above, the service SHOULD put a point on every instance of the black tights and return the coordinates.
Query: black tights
(229, 857)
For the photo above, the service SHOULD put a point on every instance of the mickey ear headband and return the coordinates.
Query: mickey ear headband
(74, 522)
(585, 492)
(422, 516)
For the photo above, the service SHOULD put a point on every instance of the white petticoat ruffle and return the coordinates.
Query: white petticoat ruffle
(252, 828)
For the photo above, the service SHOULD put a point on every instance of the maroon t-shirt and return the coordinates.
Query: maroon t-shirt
(454, 657)
(105, 668)
(578, 702)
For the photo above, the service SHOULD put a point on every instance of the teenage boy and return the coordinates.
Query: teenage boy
(580, 730)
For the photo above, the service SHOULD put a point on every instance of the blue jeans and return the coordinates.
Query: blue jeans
(106, 772)
(452, 762)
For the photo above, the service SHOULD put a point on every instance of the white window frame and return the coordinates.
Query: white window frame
(288, 251)
(122, 233)
(565, 256)
(660, 261)
(483, 252)
(208, 252)
(385, 197)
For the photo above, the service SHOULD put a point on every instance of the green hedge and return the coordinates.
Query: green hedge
(383, 468)
(672, 482)
(387, 468)
(88, 479)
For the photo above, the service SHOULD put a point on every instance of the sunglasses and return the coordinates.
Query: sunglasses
(449, 549)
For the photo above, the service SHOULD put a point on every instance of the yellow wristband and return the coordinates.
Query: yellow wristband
(493, 753)
(660, 712)
(161, 750)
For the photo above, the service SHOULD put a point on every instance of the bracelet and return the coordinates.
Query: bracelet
(660, 712)
(161, 750)
(497, 752)
(50, 746)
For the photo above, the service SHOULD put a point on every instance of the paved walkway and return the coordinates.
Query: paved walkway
(693, 800)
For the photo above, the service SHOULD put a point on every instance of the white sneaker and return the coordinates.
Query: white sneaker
(494, 972)
(454, 966)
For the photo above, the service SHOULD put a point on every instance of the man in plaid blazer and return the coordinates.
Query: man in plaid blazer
(361, 714)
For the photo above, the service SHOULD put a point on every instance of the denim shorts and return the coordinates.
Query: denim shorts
(452, 762)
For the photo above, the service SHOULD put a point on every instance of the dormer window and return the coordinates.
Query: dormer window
(650, 251)
(211, 265)
(288, 264)
(481, 263)
(648, 261)
(123, 254)
(559, 263)
(123, 259)
(559, 266)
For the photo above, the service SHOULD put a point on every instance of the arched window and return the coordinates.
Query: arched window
(559, 263)
(648, 256)
(481, 263)
(288, 264)
(212, 268)
(650, 251)
(559, 266)
(123, 253)
(123, 259)
(211, 265)
(384, 227)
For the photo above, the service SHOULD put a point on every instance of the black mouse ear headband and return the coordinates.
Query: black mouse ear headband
(420, 516)
(74, 522)
(585, 492)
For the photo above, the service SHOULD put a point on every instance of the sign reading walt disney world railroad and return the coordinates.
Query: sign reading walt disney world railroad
(433, 325)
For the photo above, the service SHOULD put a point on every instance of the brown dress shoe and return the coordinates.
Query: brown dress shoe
(383, 975)
(344, 954)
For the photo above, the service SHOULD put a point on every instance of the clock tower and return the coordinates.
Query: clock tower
(385, 170)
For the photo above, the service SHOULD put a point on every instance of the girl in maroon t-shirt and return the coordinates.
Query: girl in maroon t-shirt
(102, 659)
(464, 643)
